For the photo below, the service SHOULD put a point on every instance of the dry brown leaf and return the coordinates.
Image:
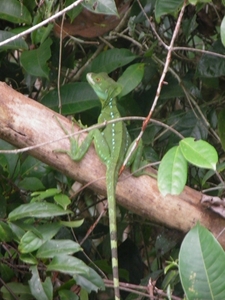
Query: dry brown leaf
(91, 25)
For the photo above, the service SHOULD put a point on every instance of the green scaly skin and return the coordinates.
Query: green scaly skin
(111, 146)
(116, 138)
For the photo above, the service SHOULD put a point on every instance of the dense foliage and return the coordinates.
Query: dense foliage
(51, 246)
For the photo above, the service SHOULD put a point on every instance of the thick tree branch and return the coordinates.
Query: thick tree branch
(25, 122)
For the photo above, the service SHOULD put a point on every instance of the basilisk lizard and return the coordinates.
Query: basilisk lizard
(111, 145)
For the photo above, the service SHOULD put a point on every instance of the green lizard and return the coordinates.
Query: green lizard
(111, 146)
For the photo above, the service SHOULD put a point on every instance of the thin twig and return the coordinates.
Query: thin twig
(160, 85)
(16, 151)
(152, 26)
(59, 65)
(199, 50)
(35, 27)
(99, 49)
(103, 212)
(9, 289)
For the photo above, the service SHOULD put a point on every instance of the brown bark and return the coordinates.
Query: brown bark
(25, 122)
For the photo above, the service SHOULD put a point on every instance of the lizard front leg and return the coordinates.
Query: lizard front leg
(77, 151)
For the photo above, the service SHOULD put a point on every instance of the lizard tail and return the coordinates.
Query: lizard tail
(111, 189)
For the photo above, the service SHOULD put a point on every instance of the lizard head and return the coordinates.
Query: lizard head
(104, 86)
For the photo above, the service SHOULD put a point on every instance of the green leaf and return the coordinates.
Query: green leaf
(108, 61)
(189, 124)
(68, 265)
(172, 173)
(39, 196)
(20, 290)
(106, 7)
(62, 200)
(202, 265)
(90, 281)
(55, 247)
(9, 162)
(171, 90)
(35, 61)
(37, 288)
(199, 153)
(17, 231)
(32, 167)
(75, 97)
(72, 224)
(30, 242)
(3, 207)
(73, 13)
(48, 230)
(221, 127)
(41, 34)
(48, 288)
(68, 295)
(131, 78)
(6, 273)
(195, 2)
(14, 45)
(212, 66)
(28, 258)
(14, 11)
(37, 210)
(31, 184)
(6, 234)
(163, 7)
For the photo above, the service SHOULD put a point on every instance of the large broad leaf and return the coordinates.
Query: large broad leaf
(199, 153)
(32, 167)
(172, 174)
(34, 238)
(131, 78)
(210, 65)
(30, 242)
(202, 265)
(20, 290)
(14, 11)
(17, 231)
(65, 295)
(6, 234)
(90, 282)
(37, 210)
(14, 45)
(31, 184)
(163, 7)
(106, 7)
(35, 61)
(55, 247)
(28, 258)
(68, 265)
(40, 291)
(75, 97)
(189, 124)
(108, 61)
(171, 90)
